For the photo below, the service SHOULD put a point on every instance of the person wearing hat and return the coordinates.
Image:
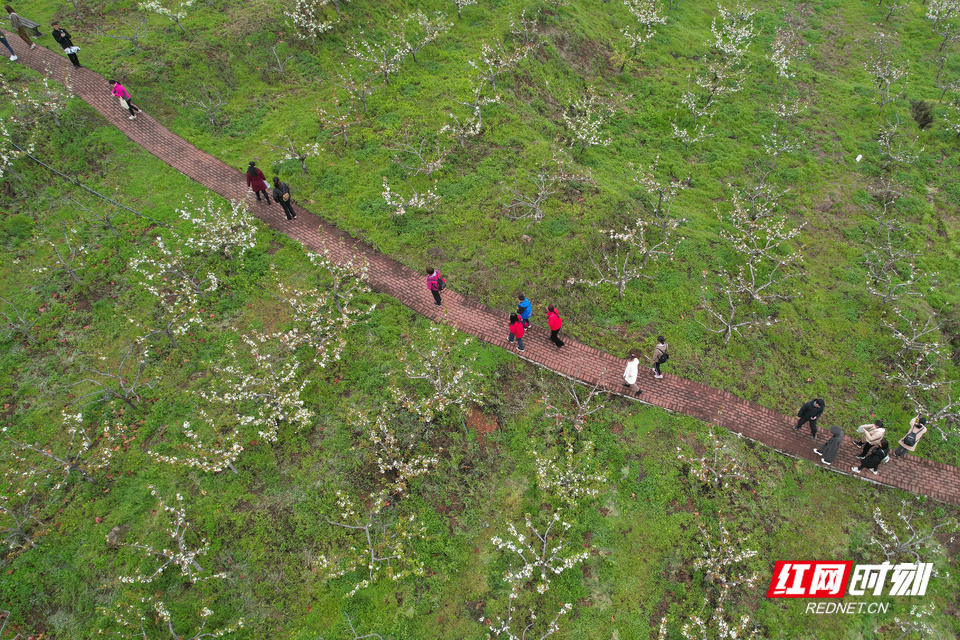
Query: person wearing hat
(63, 39)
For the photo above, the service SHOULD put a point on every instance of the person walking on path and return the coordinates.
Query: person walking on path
(659, 356)
(809, 413)
(516, 331)
(18, 26)
(524, 310)
(3, 41)
(871, 436)
(281, 194)
(121, 92)
(630, 374)
(257, 181)
(555, 323)
(873, 460)
(828, 452)
(436, 284)
(63, 39)
(918, 427)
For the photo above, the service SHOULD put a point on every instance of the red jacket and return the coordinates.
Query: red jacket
(554, 321)
(433, 281)
(257, 181)
(517, 329)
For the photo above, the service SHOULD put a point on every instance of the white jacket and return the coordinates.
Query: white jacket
(630, 373)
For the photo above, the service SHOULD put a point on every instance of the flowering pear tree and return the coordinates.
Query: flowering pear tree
(718, 466)
(495, 61)
(15, 323)
(889, 77)
(71, 257)
(914, 623)
(586, 116)
(726, 320)
(380, 542)
(183, 557)
(215, 230)
(209, 102)
(943, 15)
(88, 451)
(385, 56)
(570, 475)
(397, 461)
(893, 148)
(359, 85)
(426, 201)
(523, 628)
(292, 150)
(787, 46)
(725, 71)
(952, 120)
(215, 452)
(431, 27)
(922, 355)
(264, 395)
(121, 382)
(460, 4)
(175, 10)
(466, 127)
(647, 13)
(177, 288)
(760, 241)
(309, 19)
(446, 370)
(136, 615)
(540, 555)
(890, 263)
(907, 542)
(281, 65)
(141, 30)
(548, 181)
(525, 32)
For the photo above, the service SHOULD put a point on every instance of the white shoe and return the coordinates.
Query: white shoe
(658, 377)
(825, 462)
(132, 118)
(14, 58)
(855, 469)
(33, 46)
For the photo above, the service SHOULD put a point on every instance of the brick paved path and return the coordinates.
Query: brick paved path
(939, 481)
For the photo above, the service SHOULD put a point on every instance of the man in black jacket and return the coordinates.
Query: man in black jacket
(809, 413)
(63, 39)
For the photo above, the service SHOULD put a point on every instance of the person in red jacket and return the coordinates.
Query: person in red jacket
(257, 181)
(436, 284)
(554, 322)
(516, 331)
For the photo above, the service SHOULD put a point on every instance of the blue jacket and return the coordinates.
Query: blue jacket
(525, 309)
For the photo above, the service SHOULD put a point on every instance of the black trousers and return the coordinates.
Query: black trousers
(265, 195)
(656, 366)
(287, 209)
(555, 337)
(436, 296)
(74, 59)
(813, 425)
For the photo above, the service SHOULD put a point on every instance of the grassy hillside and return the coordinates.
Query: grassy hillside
(268, 524)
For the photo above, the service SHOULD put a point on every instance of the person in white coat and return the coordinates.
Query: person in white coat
(630, 374)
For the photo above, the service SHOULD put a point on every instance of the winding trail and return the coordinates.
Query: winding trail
(587, 364)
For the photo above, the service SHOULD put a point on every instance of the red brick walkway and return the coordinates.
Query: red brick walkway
(939, 481)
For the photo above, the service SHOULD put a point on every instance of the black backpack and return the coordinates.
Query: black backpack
(664, 357)
(910, 439)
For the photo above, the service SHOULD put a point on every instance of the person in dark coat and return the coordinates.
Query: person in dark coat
(257, 181)
(809, 413)
(281, 193)
(828, 452)
(874, 458)
(63, 39)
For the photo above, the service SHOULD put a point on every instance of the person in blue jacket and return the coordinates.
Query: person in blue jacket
(524, 310)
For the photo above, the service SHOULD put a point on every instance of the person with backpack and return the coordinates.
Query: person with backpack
(555, 323)
(630, 374)
(828, 452)
(809, 413)
(516, 331)
(878, 455)
(872, 434)
(660, 356)
(524, 310)
(436, 284)
(281, 194)
(918, 427)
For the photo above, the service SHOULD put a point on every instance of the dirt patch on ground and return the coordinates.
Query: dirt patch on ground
(482, 424)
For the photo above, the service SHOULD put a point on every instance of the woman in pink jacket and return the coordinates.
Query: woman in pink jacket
(125, 99)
